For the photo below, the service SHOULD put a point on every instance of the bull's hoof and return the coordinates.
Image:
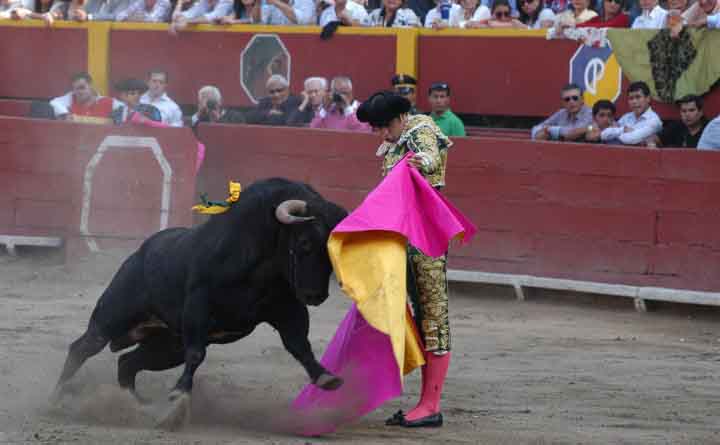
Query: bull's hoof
(329, 382)
(178, 415)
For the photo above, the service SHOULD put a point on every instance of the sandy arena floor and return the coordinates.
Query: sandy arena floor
(558, 368)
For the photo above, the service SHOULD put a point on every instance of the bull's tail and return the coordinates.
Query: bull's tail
(88, 345)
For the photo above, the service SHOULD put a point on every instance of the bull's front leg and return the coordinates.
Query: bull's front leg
(195, 324)
(294, 327)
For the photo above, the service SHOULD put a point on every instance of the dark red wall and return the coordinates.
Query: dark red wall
(613, 215)
(509, 76)
(43, 171)
(38, 62)
(195, 59)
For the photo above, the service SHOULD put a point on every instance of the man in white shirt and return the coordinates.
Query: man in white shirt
(145, 11)
(202, 11)
(652, 17)
(288, 12)
(639, 124)
(348, 12)
(156, 96)
(105, 10)
(434, 19)
(710, 139)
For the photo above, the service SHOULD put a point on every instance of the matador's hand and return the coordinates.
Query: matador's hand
(418, 161)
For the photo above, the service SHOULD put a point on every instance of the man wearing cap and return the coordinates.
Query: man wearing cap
(129, 92)
(405, 85)
(439, 98)
(389, 115)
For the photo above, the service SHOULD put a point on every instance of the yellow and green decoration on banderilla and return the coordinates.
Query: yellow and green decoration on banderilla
(215, 207)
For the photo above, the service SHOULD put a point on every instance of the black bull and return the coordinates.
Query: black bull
(263, 260)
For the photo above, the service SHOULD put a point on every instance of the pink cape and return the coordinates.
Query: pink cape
(403, 203)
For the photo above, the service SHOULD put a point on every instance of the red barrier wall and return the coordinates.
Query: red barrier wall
(12, 107)
(573, 211)
(50, 169)
(38, 62)
(509, 76)
(195, 59)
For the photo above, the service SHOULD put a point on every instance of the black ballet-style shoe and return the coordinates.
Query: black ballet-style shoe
(397, 419)
(431, 421)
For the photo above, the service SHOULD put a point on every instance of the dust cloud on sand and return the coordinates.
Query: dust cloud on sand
(557, 369)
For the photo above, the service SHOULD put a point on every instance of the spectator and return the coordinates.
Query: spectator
(347, 12)
(612, 16)
(652, 16)
(65, 10)
(687, 133)
(703, 13)
(202, 11)
(439, 98)
(278, 108)
(502, 16)
(515, 12)
(433, 19)
(83, 104)
(210, 108)
(639, 124)
(313, 99)
(340, 114)
(558, 6)
(568, 124)
(145, 11)
(105, 10)
(471, 15)
(7, 8)
(288, 12)
(244, 11)
(603, 117)
(580, 13)
(129, 93)
(405, 86)
(710, 139)
(393, 15)
(156, 96)
(535, 15)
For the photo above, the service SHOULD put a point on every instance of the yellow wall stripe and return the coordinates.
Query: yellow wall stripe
(99, 55)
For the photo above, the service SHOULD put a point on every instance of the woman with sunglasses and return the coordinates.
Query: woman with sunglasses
(535, 15)
(502, 16)
(612, 16)
(580, 13)
(471, 15)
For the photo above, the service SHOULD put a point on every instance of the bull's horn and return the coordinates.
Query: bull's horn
(285, 212)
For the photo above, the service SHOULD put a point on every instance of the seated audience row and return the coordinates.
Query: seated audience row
(335, 108)
(437, 14)
(641, 126)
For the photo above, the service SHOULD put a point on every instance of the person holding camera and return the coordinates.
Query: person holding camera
(340, 114)
(210, 108)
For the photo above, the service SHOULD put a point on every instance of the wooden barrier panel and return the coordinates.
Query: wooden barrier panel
(195, 59)
(104, 185)
(582, 212)
(38, 62)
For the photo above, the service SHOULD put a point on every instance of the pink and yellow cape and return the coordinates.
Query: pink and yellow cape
(376, 344)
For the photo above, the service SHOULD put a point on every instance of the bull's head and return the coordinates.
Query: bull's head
(308, 265)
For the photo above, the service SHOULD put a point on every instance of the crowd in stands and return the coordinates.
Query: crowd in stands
(437, 14)
(333, 106)
(320, 104)
(641, 126)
